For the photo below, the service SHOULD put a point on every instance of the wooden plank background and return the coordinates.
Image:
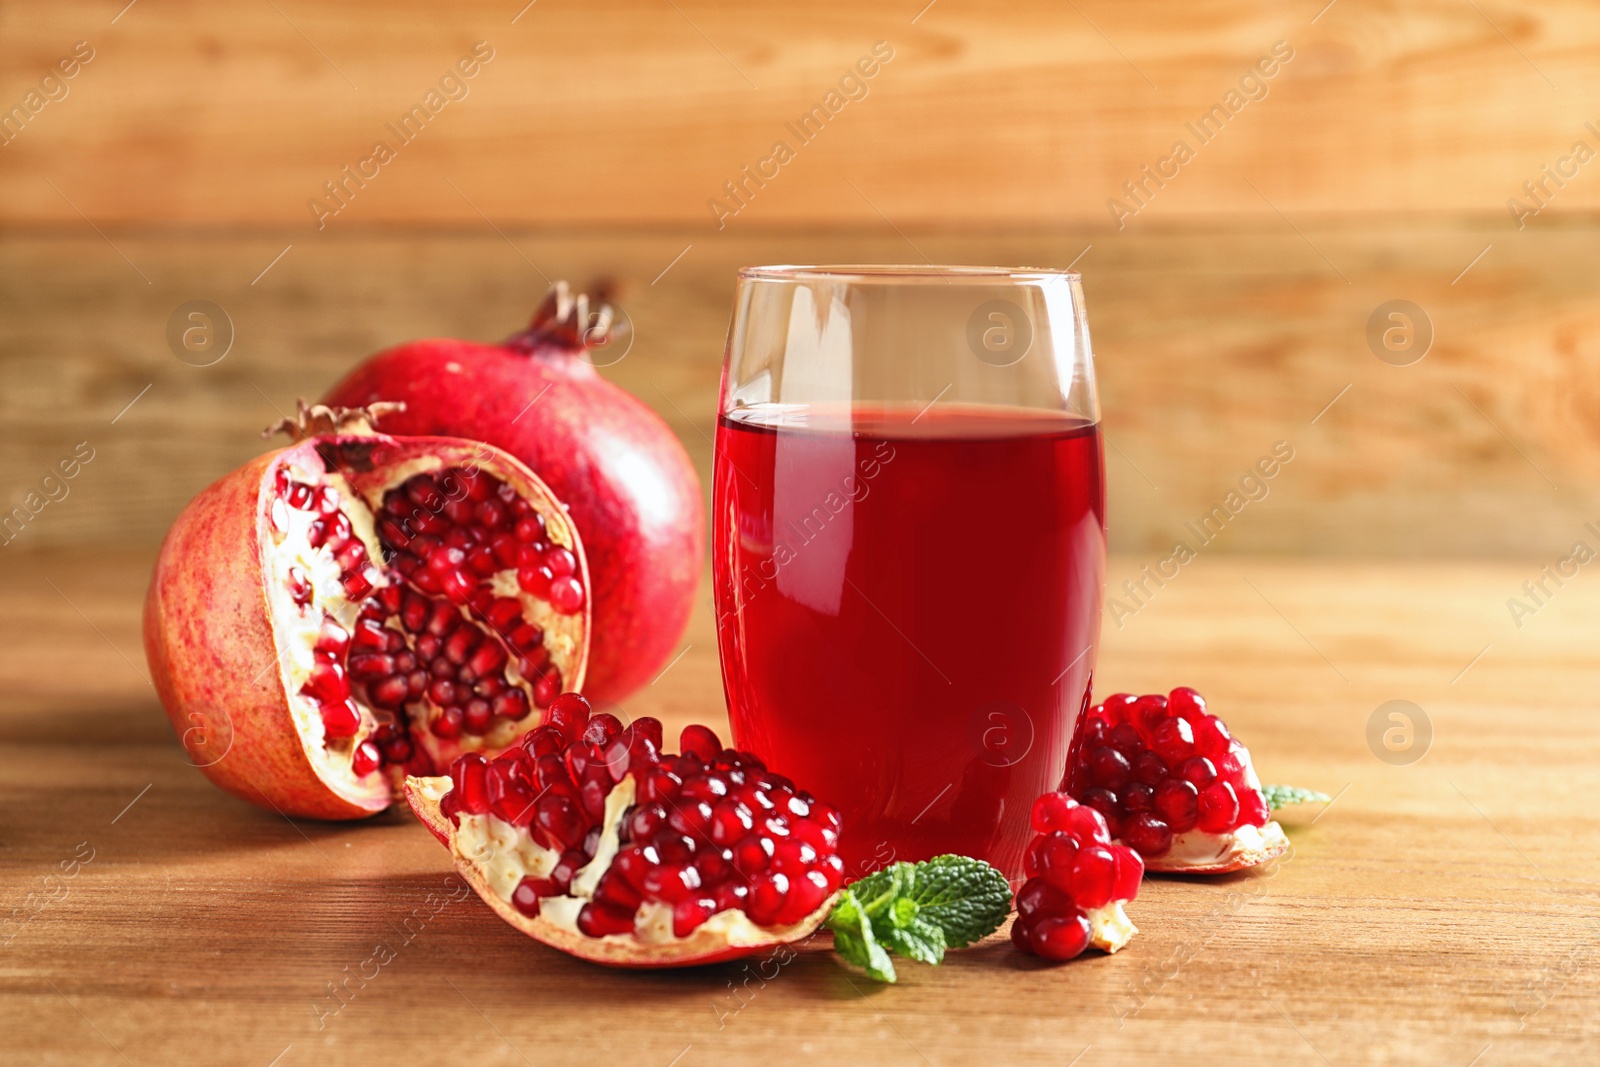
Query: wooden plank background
(1227, 313)
(637, 111)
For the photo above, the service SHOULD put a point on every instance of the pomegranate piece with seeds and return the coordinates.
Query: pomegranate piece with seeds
(337, 614)
(589, 838)
(1173, 784)
(1078, 880)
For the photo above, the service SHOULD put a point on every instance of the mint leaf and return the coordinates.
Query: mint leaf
(966, 898)
(918, 939)
(1279, 796)
(854, 940)
(918, 910)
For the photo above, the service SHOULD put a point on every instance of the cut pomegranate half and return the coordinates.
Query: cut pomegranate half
(589, 839)
(1078, 881)
(357, 607)
(1173, 784)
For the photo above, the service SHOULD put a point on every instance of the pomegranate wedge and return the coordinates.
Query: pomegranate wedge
(1078, 881)
(589, 839)
(336, 614)
(1173, 784)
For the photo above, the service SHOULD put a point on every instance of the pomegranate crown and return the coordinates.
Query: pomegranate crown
(565, 320)
(320, 420)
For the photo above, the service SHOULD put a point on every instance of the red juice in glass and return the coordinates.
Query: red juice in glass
(908, 604)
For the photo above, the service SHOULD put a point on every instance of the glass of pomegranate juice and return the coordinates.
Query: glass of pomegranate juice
(909, 545)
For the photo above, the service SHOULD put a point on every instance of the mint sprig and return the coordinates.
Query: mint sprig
(1279, 796)
(918, 910)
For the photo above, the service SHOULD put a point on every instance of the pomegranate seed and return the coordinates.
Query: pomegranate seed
(511, 704)
(476, 716)
(701, 741)
(560, 818)
(447, 723)
(1173, 741)
(534, 581)
(769, 891)
(1219, 808)
(327, 683)
(601, 729)
(390, 692)
(690, 913)
(616, 892)
(1059, 937)
(504, 614)
(1129, 872)
(342, 719)
(458, 586)
(371, 666)
(468, 778)
(1199, 770)
(1253, 810)
(1177, 801)
(566, 595)
(1109, 768)
(365, 759)
(299, 586)
(1147, 834)
(568, 713)
(1039, 898)
(491, 514)
(505, 548)
(1186, 702)
(599, 921)
(1050, 812)
(1148, 769)
(806, 894)
(559, 562)
(1093, 876)
(369, 636)
(527, 637)
(530, 529)
(525, 898)
(547, 689)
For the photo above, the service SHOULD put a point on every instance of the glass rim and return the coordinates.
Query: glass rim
(888, 272)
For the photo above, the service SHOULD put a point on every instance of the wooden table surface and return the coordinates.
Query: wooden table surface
(1442, 910)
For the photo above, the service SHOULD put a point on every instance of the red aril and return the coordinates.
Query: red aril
(1077, 883)
(1190, 801)
(589, 838)
(627, 480)
(316, 629)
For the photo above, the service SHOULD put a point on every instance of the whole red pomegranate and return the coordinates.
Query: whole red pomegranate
(589, 838)
(335, 615)
(623, 474)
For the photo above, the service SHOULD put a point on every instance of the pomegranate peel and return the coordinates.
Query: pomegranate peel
(630, 485)
(1174, 784)
(591, 840)
(330, 616)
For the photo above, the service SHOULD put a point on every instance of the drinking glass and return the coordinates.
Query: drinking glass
(909, 545)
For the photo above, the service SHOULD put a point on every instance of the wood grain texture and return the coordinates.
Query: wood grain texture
(1213, 343)
(1436, 909)
(632, 111)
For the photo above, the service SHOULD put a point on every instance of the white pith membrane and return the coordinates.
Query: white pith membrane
(1109, 927)
(495, 856)
(287, 545)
